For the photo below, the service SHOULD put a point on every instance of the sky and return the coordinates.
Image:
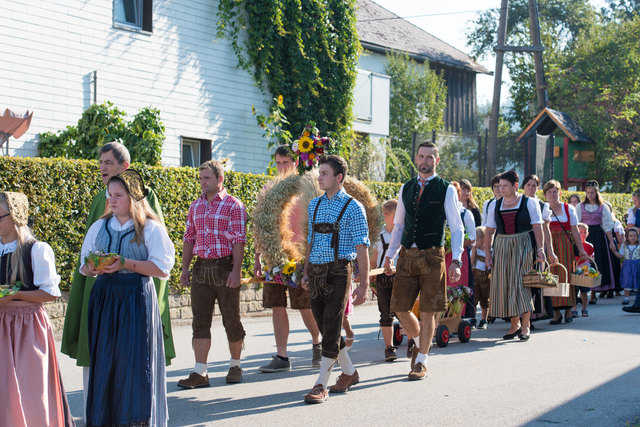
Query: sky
(450, 22)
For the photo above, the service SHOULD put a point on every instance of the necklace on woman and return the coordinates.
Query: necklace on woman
(511, 203)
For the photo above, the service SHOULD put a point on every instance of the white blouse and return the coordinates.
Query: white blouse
(469, 224)
(631, 216)
(159, 245)
(573, 217)
(607, 220)
(546, 210)
(532, 206)
(43, 262)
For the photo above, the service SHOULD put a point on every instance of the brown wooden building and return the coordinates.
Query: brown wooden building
(381, 31)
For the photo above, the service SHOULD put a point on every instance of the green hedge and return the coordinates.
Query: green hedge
(61, 190)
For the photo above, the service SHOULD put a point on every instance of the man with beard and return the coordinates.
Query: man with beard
(424, 204)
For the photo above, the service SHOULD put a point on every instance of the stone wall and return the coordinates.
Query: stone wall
(179, 307)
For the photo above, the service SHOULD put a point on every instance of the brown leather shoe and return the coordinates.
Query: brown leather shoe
(194, 381)
(234, 375)
(318, 394)
(419, 372)
(416, 350)
(344, 382)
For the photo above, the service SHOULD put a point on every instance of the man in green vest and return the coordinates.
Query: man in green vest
(425, 203)
(114, 158)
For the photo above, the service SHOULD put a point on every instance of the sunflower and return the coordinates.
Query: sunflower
(305, 144)
(280, 99)
(289, 268)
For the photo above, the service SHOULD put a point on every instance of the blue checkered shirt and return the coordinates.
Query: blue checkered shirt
(353, 228)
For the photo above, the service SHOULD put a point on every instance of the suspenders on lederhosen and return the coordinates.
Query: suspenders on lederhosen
(318, 285)
(329, 228)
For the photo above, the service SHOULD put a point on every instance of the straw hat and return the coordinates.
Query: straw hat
(18, 206)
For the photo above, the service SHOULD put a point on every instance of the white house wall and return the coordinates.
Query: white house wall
(50, 48)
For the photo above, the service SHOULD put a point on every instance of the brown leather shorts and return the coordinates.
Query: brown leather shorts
(420, 272)
(208, 284)
(275, 295)
(481, 287)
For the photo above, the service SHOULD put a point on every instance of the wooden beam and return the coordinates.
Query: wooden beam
(508, 48)
(565, 162)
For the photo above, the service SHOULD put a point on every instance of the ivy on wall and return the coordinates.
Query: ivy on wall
(304, 50)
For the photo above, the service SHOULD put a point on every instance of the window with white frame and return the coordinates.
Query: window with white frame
(133, 14)
(195, 151)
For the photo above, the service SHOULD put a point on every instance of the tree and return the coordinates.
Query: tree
(599, 85)
(416, 104)
(561, 21)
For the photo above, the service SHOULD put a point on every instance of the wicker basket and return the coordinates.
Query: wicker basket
(562, 290)
(535, 278)
(586, 281)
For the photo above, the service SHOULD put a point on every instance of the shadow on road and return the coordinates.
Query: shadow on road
(222, 409)
(593, 407)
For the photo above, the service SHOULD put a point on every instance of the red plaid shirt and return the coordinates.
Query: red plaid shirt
(214, 227)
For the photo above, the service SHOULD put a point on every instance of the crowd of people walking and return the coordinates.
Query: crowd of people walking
(118, 327)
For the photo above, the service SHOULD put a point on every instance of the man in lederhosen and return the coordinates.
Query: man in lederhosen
(338, 234)
(424, 204)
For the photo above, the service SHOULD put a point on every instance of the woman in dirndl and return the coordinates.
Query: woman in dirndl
(543, 307)
(31, 389)
(564, 232)
(127, 371)
(597, 215)
(512, 218)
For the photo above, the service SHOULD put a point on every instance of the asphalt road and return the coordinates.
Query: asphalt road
(583, 373)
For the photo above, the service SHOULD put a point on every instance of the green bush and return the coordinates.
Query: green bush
(102, 123)
(61, 190)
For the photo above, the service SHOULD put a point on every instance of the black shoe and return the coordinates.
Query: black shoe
(556, 321)
(473, 323)
(523, 337)
(593, 301)
(512, 335)
(532, 327)
(568, 319)
(610, 295)
(632, 309)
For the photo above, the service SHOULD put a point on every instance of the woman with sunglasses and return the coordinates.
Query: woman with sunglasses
(597, 215)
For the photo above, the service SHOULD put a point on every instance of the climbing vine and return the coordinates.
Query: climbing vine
(304, 50)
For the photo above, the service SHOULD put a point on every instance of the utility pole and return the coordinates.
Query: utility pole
(500, 49)
(492, 144)
(534, 25)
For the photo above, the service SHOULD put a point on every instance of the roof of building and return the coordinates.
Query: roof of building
(381, 30)
(548, 120)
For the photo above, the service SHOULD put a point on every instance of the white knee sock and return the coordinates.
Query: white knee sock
(234, 362)
(200, 369)
(85, 390)
(345, 362)
(326, 366)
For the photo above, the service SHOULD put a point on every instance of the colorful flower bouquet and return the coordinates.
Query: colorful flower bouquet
(10, 290)
(586, 276)
(100, 260)
(285, 274)
(309, 146)
(456, 299)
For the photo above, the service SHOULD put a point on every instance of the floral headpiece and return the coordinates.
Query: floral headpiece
(132, 180)
(309, 146)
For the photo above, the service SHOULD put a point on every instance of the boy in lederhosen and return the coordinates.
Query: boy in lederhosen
(338, 234)
(384, 281)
